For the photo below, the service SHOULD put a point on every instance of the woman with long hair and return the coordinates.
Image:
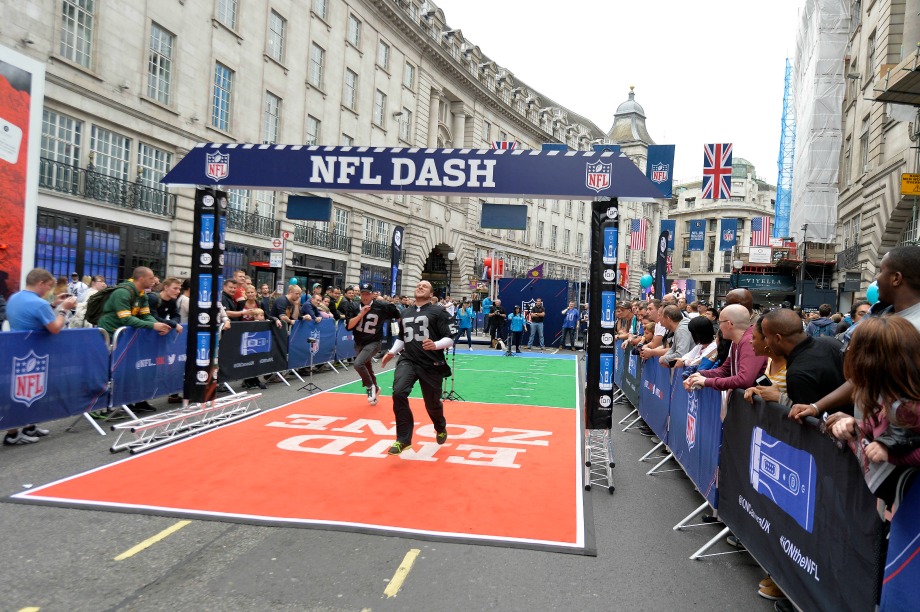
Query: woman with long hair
(518, 325)
(883, 363)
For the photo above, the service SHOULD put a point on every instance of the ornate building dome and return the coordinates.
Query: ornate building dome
(629, 122)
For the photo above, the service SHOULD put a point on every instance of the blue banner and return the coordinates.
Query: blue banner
(660, 168)
(728, 234)
(524, 292)
(619, 363)
(317, 337)
(696, 434)
(146, 365)
(669, 226)
(697, 235)
(46, 376)
(495, 172)
(901, 584)
(655, 397)
(344, 342)
(632, 378)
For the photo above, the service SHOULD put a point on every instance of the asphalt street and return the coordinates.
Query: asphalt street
(65, 559)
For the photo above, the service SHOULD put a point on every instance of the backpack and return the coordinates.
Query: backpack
(96, 304)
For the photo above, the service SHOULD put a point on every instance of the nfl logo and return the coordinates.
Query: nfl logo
(217, 165)
(693, 410)
(728, 235)
(30, 378)
(597, 177)
(659, 173)
(314, 346)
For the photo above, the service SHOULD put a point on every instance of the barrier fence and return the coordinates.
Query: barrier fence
(797, 501)
(46, 376)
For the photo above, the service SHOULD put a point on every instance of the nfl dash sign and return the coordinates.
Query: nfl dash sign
(30, 378)
(597, 176)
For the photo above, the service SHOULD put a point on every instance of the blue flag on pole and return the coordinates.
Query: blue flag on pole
(669, 226)
(660, 167)
(697, 235)
(728, 236)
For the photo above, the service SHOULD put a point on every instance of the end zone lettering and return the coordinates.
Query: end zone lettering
(454, 172)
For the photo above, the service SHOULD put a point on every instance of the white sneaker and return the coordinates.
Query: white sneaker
(19, 438)
(372, 393)
(34, 431)
(471, 347)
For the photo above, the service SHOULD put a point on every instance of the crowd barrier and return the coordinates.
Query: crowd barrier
(797, 501)
(46, 376)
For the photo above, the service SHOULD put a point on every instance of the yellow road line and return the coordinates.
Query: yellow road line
(30, 610)
(401, 572)
(151, 541)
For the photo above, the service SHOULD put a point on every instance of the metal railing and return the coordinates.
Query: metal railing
(87, 183)
(380, 250)
(848, 259)
(312, 236)
(251, 223)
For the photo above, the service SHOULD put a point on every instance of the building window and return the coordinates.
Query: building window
(554, 234)
(61, 138)
(313, 128)
(276, 26)
(380, 106)
(540, 227)
(405, 125)
(347, 141)
(317, 62)
(383, 232)
(264, 203)
(159, 65)
(864, 145)
(383, 55)
(870, 57)
(226, 12)
(486, 131)
(526, 237)
(409, 76)
(568, 208)
(714, 223)
(354, 31)
(690, 202)
(566, 239)
(581, 211)
(238, 199)
(220, 103)
(685, 262)
(350, 97)
(152, 165)
(77, 22)
(554, 205)
(712, 254)
(579, 244)
(112, 152)
(848, 162)
(271, 119)
(320, 7)
(340, 225)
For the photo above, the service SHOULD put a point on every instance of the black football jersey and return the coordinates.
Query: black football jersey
(370, 328)
(419, 323)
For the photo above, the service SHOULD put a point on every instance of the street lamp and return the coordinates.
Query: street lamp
(450, 264)
(736, 268)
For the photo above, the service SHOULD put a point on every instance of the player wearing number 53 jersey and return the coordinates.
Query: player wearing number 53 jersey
(425, 330)
(367, 327)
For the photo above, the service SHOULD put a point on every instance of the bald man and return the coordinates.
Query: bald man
(743, 366)
(740, 296)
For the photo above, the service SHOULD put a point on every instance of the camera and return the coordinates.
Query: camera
(636, 350)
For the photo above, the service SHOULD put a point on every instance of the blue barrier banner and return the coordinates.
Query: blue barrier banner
(146, 365)
(901, 584)
(344, 342)
(696, 434)
(482, 172)
(655, 397)
(251, 348)
(619, 362)
(46, 376)
(801, 506)
(322, 334)
(632, 378)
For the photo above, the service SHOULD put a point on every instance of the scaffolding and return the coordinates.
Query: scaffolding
(818, 90)
(786, 159)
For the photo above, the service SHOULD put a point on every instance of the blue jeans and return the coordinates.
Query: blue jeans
(469, 337)
(566, 332)
(535, 330)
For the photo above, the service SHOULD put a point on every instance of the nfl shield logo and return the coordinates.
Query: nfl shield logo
(314, 346)
(659, 173)
(30, 378)
(693, 411)
(597, 177)
(728, 235)
(217, 165)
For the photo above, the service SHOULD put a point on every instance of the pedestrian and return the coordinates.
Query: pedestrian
(518, 327)
(78, 320)
(487, 320)
(497, 317)
(77, 288)
(425, 331)
(537, 314)
(28, 310)
(465, 323)
(164, 304)
(367, 326)
(823, 324)
(569, 323)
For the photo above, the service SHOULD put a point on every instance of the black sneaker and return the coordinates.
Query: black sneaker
(398, 447)
(441, 437)
(708, 518)
(141, 407)
(734, 541)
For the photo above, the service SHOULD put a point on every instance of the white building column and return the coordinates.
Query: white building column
(433, 108)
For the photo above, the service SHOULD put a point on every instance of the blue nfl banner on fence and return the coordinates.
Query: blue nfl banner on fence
(695, 435)
(728, 234)
(697, 235)
(660, 168)
(146, 365)
(669, 226)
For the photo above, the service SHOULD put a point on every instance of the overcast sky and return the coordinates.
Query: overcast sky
(704, 70)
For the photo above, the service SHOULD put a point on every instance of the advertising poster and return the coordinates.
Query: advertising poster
(21, 92)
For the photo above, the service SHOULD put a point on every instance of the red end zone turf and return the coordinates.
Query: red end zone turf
(508, 475)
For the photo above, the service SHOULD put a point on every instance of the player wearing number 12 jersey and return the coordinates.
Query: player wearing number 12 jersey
(367, 327)
(425, 330)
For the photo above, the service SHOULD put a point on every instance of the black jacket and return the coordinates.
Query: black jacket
(814, 368)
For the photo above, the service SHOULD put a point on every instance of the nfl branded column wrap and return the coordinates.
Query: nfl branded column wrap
(395, 256)
(204, 299)
(600, 347)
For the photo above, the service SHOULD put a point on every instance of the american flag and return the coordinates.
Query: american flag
(637, 230)
(760, 231)
(504, 144)
(717, 171)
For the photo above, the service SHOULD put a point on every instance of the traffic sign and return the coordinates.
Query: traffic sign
(286, 235)
(275, 259)
(277, 243)
(910, 184)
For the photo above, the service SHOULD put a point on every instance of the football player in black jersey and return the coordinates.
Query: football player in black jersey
(425, 330)
(368, 326)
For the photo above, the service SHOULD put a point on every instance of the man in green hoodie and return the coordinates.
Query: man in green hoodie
(127, 306)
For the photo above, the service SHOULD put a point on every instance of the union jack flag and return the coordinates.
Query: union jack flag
(504, 144)
(717, 171)
(760, 231)
(670, 264)
(637, 230)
